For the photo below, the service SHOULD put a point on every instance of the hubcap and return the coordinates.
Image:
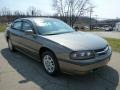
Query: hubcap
(10, 45)
(49, 63)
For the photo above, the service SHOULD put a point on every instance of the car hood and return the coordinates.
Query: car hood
(78, 41)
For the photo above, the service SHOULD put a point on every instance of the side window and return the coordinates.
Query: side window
(17, 25)
(26, 26)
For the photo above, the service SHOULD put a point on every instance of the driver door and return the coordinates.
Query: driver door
(29, 41)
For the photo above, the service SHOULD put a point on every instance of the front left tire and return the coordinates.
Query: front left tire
(50, 63)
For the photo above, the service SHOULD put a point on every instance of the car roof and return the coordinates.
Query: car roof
(33, 19)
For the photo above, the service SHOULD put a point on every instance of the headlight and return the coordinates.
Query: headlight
(80, 55)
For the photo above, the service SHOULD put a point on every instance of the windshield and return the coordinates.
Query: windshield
(53, 27)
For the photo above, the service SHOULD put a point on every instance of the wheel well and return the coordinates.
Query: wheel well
(43, 49)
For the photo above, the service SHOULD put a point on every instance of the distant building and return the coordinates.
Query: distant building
(117, 26)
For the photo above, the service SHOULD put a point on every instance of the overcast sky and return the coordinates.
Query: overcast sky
(103, 8)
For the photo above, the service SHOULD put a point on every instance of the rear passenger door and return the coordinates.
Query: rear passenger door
(15, 33)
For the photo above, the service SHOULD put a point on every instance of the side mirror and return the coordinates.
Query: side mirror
(29, 32)
(76, 28)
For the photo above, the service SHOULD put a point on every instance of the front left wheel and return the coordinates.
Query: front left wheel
(50, 63)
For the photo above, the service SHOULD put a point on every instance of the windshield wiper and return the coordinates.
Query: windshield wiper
(57, 33)
(51, 34)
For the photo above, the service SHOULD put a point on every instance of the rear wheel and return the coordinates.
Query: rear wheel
(50, 63)
(10, 45)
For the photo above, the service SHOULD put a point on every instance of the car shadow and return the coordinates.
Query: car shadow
(105, 78)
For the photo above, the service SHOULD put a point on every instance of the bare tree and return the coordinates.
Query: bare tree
(70, 9)
(32, 11)
(18, 13)
(5, 12)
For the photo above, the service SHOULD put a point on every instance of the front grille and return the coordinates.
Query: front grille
(102, 51)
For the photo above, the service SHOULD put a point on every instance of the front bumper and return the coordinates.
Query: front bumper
(77, 66)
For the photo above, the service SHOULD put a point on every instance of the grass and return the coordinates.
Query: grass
(115, 44)
(3, 27)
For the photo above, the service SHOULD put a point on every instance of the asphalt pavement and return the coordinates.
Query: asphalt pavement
(19, 72)
(111, 34)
